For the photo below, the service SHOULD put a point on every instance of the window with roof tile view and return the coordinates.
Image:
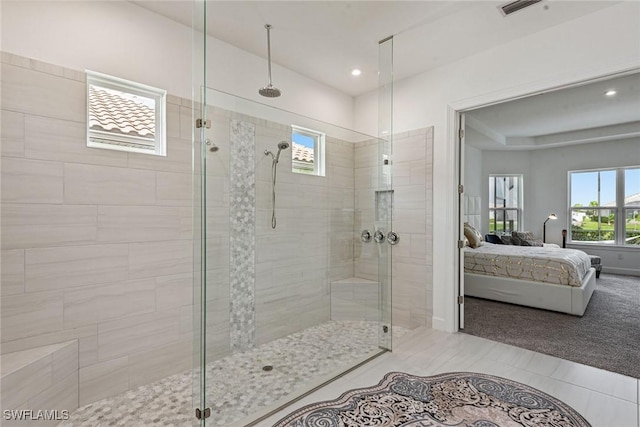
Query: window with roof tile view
(307, 151)
(124, 115)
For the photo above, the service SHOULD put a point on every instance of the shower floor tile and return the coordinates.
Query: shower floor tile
(237, 385)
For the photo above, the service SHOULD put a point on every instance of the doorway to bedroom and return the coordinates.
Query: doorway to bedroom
(551, 185)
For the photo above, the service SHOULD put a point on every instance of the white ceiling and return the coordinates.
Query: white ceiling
(575, 115)
(324, 40)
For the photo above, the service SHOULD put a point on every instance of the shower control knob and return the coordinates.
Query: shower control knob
(378, 236)
(365, 236)
(393, 238)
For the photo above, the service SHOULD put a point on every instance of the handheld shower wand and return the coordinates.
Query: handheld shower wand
(282, 145)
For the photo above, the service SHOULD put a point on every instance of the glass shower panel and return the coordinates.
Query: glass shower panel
(384, 193)
(284, 306)
(198, 181)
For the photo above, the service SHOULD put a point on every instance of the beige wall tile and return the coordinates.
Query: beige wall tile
(103, 380)
(89, 184)
(160, 362)
(174, 189)
(93, 304)
(36, 225)
(174, 291)
(12, 133)
(138, 223)
(31, 314)
(137, 333)
(409, 197)
(66, 267)
(173, 117)
(42, 94)
(63, 140)
(160, 258)
(12, 272)
(31, 181)
(178, 158)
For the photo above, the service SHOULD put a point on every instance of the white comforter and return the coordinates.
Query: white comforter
(539, 264)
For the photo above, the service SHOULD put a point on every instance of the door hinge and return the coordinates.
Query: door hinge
(460, 189)
(460, 299)
(461, 133)
(201, 415)
(203, 123)
(460, 244)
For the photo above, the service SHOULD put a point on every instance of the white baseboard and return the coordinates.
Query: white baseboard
(623, 271)
(439, 324)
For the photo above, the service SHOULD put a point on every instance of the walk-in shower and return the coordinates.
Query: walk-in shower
(282, 145)
(280, 296)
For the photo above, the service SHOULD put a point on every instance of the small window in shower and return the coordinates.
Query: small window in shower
(307, 152)
(124, 115)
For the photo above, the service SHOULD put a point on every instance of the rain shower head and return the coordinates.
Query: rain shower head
(269, 90)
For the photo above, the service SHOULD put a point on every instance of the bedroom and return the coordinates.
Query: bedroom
(545, 155)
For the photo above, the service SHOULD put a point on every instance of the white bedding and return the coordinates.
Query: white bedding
(540, 264)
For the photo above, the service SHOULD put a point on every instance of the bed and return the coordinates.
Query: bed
(542, 277)
(550, 278)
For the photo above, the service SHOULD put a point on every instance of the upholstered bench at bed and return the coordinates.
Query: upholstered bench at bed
(596, 263)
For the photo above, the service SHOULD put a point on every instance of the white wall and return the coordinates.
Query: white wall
(593, 45)
(545, 176)
(125, 40)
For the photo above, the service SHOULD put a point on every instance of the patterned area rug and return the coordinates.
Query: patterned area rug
(452, 399)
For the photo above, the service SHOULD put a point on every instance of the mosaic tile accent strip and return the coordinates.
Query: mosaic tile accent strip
(238, 385)
(242, 235)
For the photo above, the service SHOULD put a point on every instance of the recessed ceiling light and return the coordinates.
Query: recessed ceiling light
(610, 92)
(356, 72)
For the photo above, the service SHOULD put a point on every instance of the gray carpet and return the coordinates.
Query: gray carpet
(607, 336)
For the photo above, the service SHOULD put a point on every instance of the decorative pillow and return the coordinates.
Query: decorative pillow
(524, 238)
(492, 238)
(473, 235)
(506, 240)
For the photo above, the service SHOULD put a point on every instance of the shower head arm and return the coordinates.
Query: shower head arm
(268, 27)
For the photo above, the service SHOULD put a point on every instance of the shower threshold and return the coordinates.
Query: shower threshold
(238, 389)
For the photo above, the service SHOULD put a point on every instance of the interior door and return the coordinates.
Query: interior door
(461, 216)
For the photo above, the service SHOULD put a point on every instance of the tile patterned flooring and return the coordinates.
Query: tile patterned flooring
(604, 398)
(239, 384)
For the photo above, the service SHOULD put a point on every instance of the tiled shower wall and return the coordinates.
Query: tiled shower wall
(96, 244)
(311, 244)
(412, 219)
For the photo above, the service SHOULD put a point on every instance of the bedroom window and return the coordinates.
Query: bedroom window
(505, 203)
(605, 206)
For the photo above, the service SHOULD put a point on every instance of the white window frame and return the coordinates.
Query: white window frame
(519, 210)
(619, 229)
(319, 139)
(109, 141)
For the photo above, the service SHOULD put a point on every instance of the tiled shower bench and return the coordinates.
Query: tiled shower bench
(40, 379)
